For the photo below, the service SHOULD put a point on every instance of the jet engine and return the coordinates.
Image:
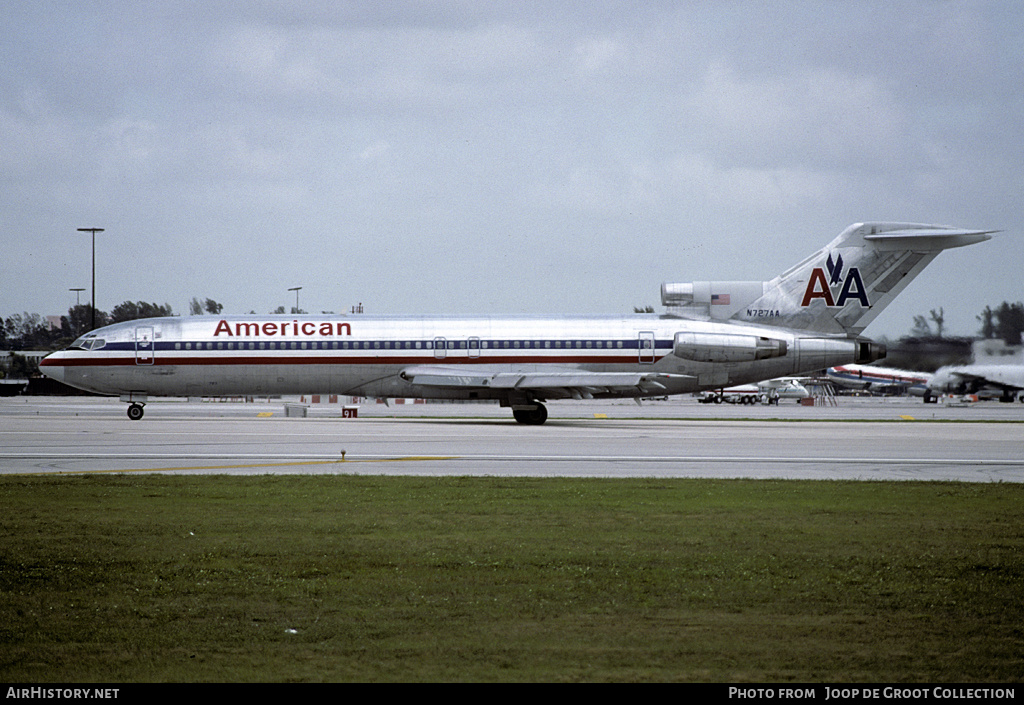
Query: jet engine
(716, 300)
(725, 347)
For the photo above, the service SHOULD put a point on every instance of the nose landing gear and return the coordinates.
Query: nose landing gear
(135, 400)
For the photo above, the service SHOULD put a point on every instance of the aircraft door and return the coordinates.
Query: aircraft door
(145, 348)
(645, 347)
(440, 348)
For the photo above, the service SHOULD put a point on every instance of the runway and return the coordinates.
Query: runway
(855, 440)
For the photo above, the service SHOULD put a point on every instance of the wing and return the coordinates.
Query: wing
(1003, 376)
(562, 382)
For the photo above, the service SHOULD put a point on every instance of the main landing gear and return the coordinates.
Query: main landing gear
(533, 415)
(135, 412)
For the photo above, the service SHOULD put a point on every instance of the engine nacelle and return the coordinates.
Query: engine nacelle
(676, 294)
(731, 293)
(869, 351)
(725, 347)
(822, 353)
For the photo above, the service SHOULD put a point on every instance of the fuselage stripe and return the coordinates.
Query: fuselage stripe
(94, 360)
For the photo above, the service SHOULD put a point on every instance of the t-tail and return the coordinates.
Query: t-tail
(838, 290)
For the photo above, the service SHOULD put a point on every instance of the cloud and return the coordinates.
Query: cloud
(375, 151)
(551, 147)
(809, 116)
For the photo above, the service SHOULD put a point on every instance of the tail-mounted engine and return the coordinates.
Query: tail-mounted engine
(869, 351)
(718, 300)
(724, 347)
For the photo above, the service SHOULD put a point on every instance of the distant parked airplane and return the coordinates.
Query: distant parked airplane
(879, 379)
(972, 379)
(767, 392)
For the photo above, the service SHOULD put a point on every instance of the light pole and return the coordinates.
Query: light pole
(78, 305)
(296, 290)
(93, 231)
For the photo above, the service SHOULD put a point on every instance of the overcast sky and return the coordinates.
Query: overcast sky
(498, 157)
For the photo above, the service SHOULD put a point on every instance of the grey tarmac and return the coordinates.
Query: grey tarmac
(857, 439)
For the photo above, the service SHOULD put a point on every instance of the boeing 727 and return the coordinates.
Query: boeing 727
(712, 335)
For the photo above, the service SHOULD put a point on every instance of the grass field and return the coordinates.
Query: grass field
(346, 578)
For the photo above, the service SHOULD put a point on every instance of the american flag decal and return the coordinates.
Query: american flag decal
(719, 299)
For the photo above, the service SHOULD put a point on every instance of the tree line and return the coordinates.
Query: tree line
(30, 331)
(928, 348)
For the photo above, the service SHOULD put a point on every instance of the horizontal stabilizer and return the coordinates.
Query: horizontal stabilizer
(929, 238)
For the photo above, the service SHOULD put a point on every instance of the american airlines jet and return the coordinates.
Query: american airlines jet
(712, 335)
(880, 379)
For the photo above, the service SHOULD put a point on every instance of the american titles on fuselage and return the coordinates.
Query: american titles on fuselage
(325, 329)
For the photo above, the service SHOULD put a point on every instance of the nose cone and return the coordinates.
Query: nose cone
(52, 366)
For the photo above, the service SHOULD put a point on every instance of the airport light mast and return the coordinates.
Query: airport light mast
(296, 290)
(93, 231)
(78, 304)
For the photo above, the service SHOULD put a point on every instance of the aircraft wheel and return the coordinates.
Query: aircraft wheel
(531, 417)
(135, 412)
(718, 400)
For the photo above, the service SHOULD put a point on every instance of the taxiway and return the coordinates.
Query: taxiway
(856, 439)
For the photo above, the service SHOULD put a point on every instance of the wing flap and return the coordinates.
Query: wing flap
(579, 383)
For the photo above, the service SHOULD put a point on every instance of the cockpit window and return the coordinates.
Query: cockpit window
(89, 342)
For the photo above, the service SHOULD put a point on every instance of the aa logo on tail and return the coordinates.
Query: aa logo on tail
(819, 286)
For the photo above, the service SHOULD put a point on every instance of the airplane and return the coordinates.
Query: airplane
(712, 335)
(880, 379)
(767, 392)
(1008, 379)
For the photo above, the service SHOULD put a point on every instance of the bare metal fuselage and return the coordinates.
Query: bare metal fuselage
(366, 356)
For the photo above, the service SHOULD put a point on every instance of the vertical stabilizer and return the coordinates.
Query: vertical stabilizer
(842, 287)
